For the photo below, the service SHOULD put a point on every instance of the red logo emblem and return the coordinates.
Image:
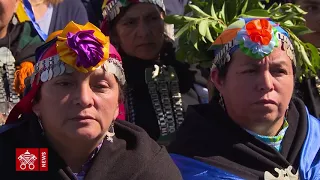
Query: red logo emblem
(31, 159)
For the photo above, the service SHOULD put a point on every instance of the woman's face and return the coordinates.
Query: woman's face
(257, 92)
(140, 31)
(313, 20)
(7, 8)
(78, 106)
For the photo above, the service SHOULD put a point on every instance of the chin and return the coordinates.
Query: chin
(86, 134)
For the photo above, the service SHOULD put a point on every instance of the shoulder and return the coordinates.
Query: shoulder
(73, 5)
(72, 10)
(150, 161)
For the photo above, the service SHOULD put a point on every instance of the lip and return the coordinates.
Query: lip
(266, 101)
(145, 44)
(81, 118)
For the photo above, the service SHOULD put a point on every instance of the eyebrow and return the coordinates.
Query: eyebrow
(274, 63)
(134, 16)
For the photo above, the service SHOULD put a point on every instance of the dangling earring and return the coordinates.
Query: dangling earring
(14, 20)
(221, 101)
(286, 114)
(110, 133)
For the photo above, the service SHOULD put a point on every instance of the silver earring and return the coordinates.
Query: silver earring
(221, 102)
(14, 20)
(110, 133)
(286, 113)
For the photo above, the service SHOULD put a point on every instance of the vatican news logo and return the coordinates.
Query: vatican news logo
(31, 159)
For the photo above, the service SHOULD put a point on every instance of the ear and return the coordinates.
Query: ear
(116, 112)
(216, 80)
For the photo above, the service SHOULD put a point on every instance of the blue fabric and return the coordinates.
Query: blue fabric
(7, 127)
(310, 154)
(28, 9)
(192, 169)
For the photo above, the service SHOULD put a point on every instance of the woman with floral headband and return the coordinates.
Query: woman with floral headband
(70, 110)
(159, 88)
(258, 130)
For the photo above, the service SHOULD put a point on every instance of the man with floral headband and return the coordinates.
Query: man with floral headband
(71, 109)
(254, 128)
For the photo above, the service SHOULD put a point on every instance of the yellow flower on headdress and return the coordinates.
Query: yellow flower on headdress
(85, 48)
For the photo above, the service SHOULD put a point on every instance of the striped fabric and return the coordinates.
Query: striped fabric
(274, 141)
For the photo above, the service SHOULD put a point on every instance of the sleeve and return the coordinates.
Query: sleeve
(161, 167)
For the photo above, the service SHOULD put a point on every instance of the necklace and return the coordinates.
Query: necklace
(163, 87)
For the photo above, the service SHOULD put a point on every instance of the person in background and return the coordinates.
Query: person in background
(52, 15)
(313, 20)
(18, 41)
(254, 127)
(159, 88)
(94, 11)
(71, 110)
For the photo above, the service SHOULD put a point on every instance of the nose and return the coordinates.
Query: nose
(265, 83)
(142, 29)
(83, 96)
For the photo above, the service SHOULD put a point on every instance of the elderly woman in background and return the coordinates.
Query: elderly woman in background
(18, 42)
(254, 128)
(71, 110)
(159, 88)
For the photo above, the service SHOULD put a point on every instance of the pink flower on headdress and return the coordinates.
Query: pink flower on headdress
(87, 47)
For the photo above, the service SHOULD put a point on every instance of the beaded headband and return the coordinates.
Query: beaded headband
(76, 48)
(256, 38)
(111, 8)
(81, 48)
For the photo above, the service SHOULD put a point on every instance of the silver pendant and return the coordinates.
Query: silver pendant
(50, 74)
(56, 70)
(44, 76)
(62, 68)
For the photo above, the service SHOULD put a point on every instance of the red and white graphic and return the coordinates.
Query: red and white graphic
(44, 159)
(28, 159)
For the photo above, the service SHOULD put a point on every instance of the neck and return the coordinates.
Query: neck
(74, 154)
(267, 129)
(3, 32)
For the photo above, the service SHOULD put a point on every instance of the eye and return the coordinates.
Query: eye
(129, 23)
(64, 83)
(280, 72)
(101, 86)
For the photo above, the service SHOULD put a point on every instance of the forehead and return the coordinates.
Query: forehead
(99, 73)
(278, 56)
(141, 9)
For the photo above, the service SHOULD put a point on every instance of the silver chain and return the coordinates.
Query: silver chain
(162, 84)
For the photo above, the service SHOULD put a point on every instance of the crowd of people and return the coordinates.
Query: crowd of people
(98, 84)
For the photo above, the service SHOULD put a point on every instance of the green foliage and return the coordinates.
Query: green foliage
(209, 18)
